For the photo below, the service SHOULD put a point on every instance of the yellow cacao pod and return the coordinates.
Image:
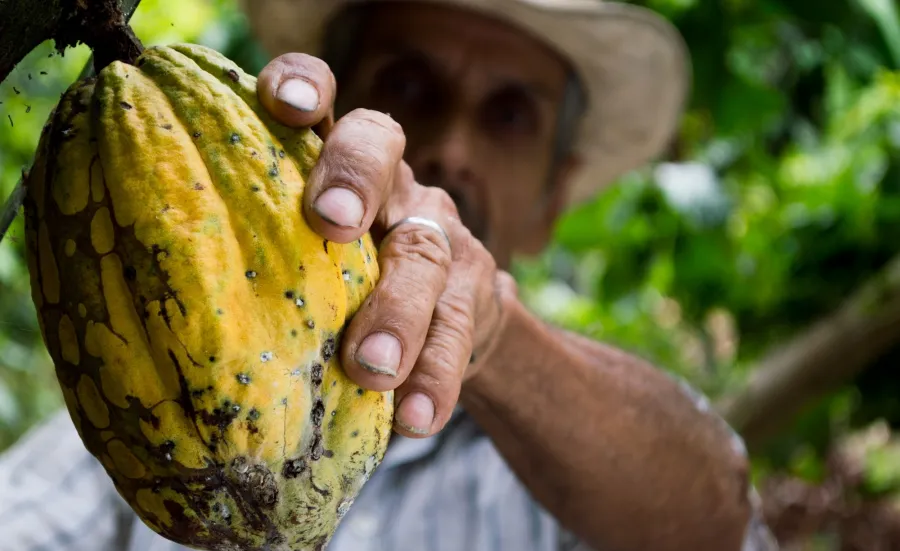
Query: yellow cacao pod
(192, 315)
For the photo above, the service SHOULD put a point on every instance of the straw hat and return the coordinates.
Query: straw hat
(633, 64)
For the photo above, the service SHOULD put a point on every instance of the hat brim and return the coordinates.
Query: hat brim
(633, 63)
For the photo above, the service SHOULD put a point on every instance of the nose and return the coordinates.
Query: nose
(445, 156)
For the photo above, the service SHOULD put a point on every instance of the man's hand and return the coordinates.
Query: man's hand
(437, 305)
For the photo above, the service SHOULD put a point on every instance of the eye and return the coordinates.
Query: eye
(405, 85)
(511, 112)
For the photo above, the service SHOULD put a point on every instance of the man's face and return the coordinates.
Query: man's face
(478, 102)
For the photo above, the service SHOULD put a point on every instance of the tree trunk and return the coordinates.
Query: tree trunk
(828, 354)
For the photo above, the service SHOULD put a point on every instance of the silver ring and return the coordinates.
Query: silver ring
(427, 222)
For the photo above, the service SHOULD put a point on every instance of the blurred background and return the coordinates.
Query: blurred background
(760, 260)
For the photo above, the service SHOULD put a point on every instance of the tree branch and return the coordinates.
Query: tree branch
(101, 24)
(25, 24)
(829, 353)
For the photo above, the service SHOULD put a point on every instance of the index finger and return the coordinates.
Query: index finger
(298, 90)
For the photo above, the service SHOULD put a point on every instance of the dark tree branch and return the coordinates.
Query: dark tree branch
(828, 354)
(101, 24)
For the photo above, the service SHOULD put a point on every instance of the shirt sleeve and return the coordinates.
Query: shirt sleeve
(55, 496)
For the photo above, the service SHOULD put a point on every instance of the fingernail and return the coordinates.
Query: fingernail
(416, 413)
(299, 94)
(341, 207)
(380, 354)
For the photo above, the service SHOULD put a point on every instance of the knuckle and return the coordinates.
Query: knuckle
(377, 119)
(296, 62)
(420, 245)
(441, 199)
(356, 164)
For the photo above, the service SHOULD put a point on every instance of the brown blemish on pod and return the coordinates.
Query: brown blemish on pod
(48, 266)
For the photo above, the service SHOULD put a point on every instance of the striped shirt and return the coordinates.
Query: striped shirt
(427, 495)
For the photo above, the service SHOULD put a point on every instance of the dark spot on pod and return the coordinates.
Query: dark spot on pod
(316, 374)
(243, 378)
(316, 449)
(196, 393)
(360, 392)
(333, 384)
(254, 188)
(166, 449)
(157, 486)
(293, 467)
(281, 153)
(130, 273)
(318, 413)
(333, 412)
(328, 349)
(273, 172)
(210, 387)
(284, 401)
(311, 324)
(167, 126)
(219, 417)
(328, 453)
(354, 434)
(325, 245)
(212, 359)
(198, 186)
(235, 408)
(293, 332)
(360, 280)
(256, 482)
(233, 75)
(125, 105)
(219, 311)
(289, 294)
(250, 274)
(253, 414)
(196, 134)
(235, 138)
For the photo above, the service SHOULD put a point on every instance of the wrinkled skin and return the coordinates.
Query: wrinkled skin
(608, 444)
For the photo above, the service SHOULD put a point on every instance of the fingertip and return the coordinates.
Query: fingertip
(415, 414)
(297, 90)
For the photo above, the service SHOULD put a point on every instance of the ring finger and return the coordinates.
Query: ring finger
(386, 335)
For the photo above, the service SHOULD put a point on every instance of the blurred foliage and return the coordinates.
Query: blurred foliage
(780, 196)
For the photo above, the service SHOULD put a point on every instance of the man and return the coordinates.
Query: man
(461, 130)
